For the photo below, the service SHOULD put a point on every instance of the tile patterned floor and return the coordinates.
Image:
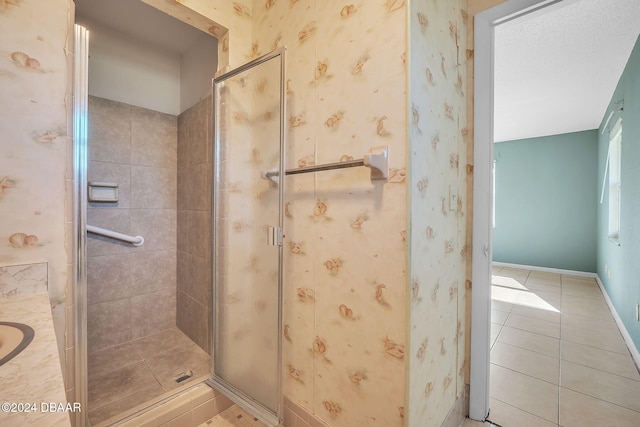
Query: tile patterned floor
(136, 372)
(233, 417)
(557, 356)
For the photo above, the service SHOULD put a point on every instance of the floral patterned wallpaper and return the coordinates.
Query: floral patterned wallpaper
(439, 141)
(35, 142)
(345, 261)
(349, 286)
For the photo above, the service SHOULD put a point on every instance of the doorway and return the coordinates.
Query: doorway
(484, 132)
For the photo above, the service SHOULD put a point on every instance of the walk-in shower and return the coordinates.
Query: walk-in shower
(143, 190)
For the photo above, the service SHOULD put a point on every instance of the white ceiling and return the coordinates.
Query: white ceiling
(139, 20)
(555, 72)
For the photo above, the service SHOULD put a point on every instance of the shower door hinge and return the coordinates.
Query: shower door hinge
(275, 236)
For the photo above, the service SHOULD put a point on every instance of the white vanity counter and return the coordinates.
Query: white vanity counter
(34, 375)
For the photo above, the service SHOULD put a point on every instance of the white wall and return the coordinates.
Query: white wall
(131, 71)
(198, 65)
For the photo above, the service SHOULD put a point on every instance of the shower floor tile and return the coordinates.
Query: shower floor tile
(130, 374)
(233, 417)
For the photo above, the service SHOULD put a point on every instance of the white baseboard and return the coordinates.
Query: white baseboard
(623, 330)
(545, 269)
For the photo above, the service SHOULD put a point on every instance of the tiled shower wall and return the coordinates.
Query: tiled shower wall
(131, 290)
(194, 223)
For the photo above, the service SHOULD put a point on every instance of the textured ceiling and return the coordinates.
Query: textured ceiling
(555, 72)
(140, 21)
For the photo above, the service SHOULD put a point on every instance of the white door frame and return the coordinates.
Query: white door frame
(484, 25)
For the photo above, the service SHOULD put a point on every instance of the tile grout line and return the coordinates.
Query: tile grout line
(526, 349)
(561, 341)
(601, 400)
(520, 409)
(526, 375)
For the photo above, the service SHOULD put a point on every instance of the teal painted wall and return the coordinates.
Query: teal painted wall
(623, 283)
(546, 201)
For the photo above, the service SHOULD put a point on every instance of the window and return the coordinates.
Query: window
(615, 148)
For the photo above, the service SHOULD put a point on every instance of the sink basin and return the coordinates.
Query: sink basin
(14, 337)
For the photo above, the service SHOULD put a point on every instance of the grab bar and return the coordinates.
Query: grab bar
(135, 241)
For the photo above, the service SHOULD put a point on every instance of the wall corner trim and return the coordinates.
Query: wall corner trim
(635, 354)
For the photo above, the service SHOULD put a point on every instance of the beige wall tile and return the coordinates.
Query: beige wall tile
(198, 139)
(109, 131)
(183, 271)
(153, 187)
(184, 185)
(157, 226)
(200, 186)
(152, 312)
(154, 138)
(182, 148)
(191, 318)
(108, 278)
(198, 283)
(153, 271)
(182, 230)
(108, 324)
(200, 233)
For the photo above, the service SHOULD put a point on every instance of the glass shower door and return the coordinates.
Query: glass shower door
(248, 171)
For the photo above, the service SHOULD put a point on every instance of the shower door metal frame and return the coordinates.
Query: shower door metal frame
(229, 390)
(80, 126)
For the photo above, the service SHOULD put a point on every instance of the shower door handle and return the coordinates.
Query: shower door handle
(274, 236)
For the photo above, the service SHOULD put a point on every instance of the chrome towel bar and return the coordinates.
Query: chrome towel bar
(377, 159)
